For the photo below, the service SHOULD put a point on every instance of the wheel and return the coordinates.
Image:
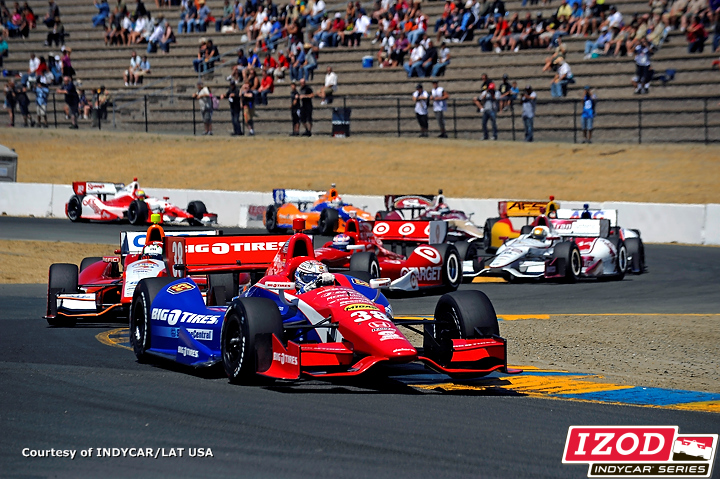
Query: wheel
(62, 278)
(526, 230)
(570, 260)
(271, 219)
(145, 292)
(459, 315)
(365, 261)
(74, 208)
(636, 255)
(88, 261)
(469, 251)
(451, 265)
(138, 213)
(380, 215)
(228, 282)
(327, 224)
(487, 234)
(246, 340)
(197, 209)
(621, 262)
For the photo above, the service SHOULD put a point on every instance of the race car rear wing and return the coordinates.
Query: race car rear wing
(599, 228)
(408, 202)
(96, 188)
(216, 254)
(567, 213)
(132, 242)
(526, 209)
(282, 196)
(412, 231)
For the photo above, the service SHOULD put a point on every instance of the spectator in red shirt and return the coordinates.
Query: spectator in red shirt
(282, 66)
(269, 64)
(696, 36)
(266, 87)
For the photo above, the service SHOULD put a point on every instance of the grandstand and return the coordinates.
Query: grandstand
(684, 110)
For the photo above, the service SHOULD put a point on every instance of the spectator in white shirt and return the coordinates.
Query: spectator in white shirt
(439, 98)
(330, 86)
(420, 97)
(130, 72)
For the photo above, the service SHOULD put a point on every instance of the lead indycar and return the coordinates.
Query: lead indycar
(98, 201)
(300, 320)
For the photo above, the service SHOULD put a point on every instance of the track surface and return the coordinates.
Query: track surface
(61, 388)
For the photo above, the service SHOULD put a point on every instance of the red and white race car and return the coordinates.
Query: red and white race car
(424, 266)
(98, 201)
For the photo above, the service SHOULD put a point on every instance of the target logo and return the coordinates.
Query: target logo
(406, 229)
(413, 281)
(381, 228)
(427, 230)
(429, 253)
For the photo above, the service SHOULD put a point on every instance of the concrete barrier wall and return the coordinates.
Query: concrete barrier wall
(658, 222)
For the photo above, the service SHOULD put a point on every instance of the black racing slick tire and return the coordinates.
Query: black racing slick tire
(62, 278)
(74, 208)
(138, 213)
(487, 234)
(197, 210)
(636, 255)
(88, 261)
(365, 261)
(271, 222)
(569, 255)
(470, 251)
(140, 314)
(452, 273)
(328, 222)
(246, 338)
(229, 283)
(621, 261)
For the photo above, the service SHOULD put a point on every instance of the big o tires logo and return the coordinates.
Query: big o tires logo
(429, 253)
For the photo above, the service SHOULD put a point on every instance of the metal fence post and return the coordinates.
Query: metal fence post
(192, 100)
(398, 116)
(172, 91)
(344, 103)
(114, 124)
(705, 120)
(455, 117)
(639, 121)
(54, 111)
(512, 118)
(146, 119)
(574, 121)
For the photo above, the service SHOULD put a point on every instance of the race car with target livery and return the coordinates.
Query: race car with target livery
(100, 201)
(562, 250)
(426, 266)
(101, 288)
(325, 212)
(337, 325)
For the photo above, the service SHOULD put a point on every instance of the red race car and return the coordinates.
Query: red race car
(425, 266)
(98, 201)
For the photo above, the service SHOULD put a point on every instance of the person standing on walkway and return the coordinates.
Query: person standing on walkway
(420, 97)
(72, 99)
(306, 106)
(233, 97)
(295, 109)
(588, 114)
(439, 98)
(488, 104)
(529, 99)
(205, 100)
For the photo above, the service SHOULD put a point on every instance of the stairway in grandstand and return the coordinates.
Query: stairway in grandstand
(377, 95)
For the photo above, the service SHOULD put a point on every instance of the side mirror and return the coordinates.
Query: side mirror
(379, 283)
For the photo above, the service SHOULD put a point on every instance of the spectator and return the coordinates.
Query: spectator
(428, 61)
(101, 100)
(269, 64)
(188, 17)
(439, 98)
(3, 49)
(71, 100)
(588, 114)
(420, 98)
(41, 95)
(203, 16)
(416, 59)
(443, 60)
(598, 46)
(52, 15)
(233, 97)
(308, 68)
(563, 77)
(282, 67)
(10, 101)
(529, 100)
(266, 87)
(126, 28)
(56, 34)
(140, 10)
(137, 34)
(248, 102)
(641, 80)
(239, 68)
(295, 109)
(306, 106)
(199, 62)
(67, 68)
(402, 46)
(317, 12)
(30, 76)
(330, 86)
(696, 36)
(142, 70)
(129, 75)
(167, 38)
(84, 105)
(716, 36)
(297, 64)
(228, 17)
(23, 103)
(275, 35)
(156, 35)
(103, 13)
(487, 103)
(204, 97)
(505, 91)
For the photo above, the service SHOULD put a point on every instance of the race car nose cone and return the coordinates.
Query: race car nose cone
(402, 353)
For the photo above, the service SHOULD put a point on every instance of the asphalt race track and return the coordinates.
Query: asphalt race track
(61, 388)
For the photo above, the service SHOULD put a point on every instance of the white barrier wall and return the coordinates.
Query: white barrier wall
(658, 222)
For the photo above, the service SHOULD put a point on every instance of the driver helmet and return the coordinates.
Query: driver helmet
(341, 242)
(141, 194)
(540, 233)
(336, 202)
(307, 274)
(153, 250)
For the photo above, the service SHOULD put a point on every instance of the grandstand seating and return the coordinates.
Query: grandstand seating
(374, 94)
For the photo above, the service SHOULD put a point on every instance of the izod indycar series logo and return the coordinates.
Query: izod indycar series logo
(640, 451)
(180, 288)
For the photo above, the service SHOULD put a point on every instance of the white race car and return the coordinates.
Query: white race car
(562, 249)
(692, 448)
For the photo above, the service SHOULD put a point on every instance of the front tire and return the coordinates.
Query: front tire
(570, 253)
(246, 338)
(88, 261)
(74, 208)
(452, 273)
(328, 222)
(470, 251)
(197, 210)
(365, 261)
(636, 255)
(62, 278)
(140, 311)
(138, 213)
(271, 222)
(487, 234)
(621, 262)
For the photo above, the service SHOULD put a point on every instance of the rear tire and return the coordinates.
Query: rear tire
(271, 219)
(452, 273)
(88, 261)
(140, 311)
(621, 262)
(328, 222)
(197, 210)
(74, 208)
(487, 234)
(636, 255)
(228, 281)
(138, 213)
(246, 338)
(570, 252)
(469, 251)
(62, 278)
(365, 261)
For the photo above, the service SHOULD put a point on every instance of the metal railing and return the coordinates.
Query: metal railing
(142, 95)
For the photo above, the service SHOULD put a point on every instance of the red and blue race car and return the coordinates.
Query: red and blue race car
(333, 326)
